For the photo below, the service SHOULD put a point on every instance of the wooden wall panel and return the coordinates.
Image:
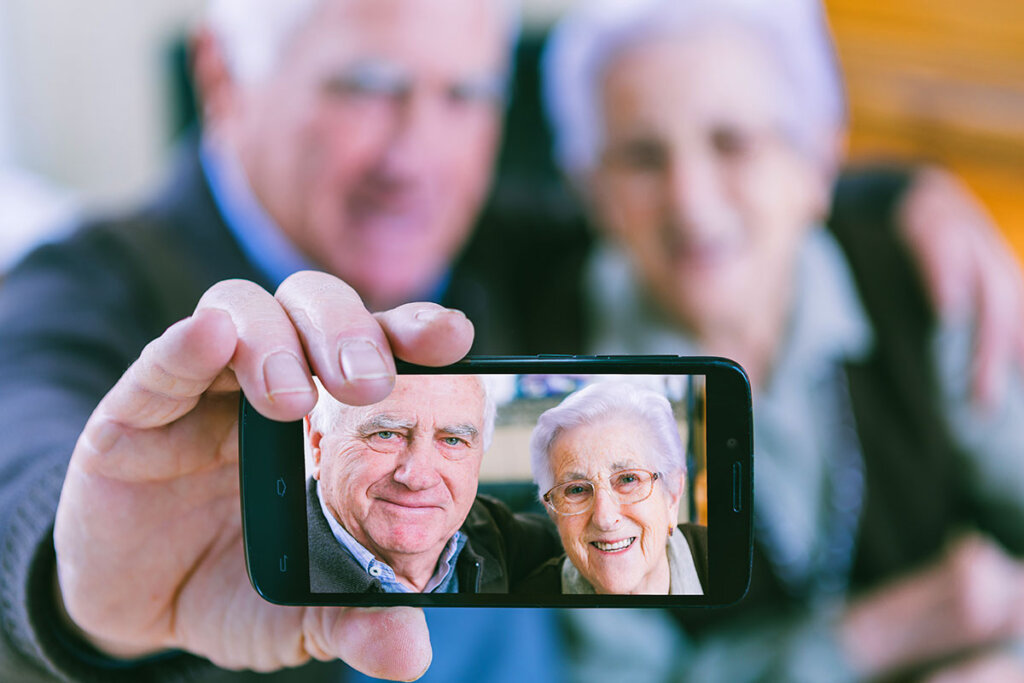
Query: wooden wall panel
(940, 80)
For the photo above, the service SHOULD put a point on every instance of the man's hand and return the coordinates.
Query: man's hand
(968, 268)
(972, 597)
(148, 531)
(998, 666)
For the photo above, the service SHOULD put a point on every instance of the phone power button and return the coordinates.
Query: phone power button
(737, 487)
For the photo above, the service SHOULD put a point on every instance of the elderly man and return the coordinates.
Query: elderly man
(391, 500)
(338, 134)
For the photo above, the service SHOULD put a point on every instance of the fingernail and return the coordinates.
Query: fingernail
(362, 360)
(284, 374)
(427, 314)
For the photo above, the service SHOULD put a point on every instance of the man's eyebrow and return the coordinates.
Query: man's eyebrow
(465, 429)
(385, 422)
(370, 75)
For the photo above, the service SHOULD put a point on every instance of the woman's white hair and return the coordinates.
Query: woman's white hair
(329, 412)
(611, 400)
(583, 43)
(254, 33)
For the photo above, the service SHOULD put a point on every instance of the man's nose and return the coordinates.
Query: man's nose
(416, 466)
(607, 512)
(418, 133)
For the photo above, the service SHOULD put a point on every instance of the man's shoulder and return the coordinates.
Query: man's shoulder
(332, 569)
(153, 262)
(97, 245)
(84, 294)
(96, 281)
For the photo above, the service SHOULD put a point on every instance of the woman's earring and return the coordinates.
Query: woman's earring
(671, 529)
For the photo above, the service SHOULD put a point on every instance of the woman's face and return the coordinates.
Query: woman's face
(618, 548)
(697, 179)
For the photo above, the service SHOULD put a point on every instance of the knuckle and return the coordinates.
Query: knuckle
(319, 303)
(313, 640)
(311, 284)
(159, 380)
(231, 293)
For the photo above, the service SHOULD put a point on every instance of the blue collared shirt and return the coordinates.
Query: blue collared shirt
(444, 579)
(260, 238)
(263, 242)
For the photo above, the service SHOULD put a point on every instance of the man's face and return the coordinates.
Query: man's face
(372, 142)
(698, 181)
(401, 475)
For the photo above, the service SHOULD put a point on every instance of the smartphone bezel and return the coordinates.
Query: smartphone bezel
(272, 482)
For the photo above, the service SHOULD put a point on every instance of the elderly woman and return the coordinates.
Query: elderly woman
(705, 136)
(610, 467)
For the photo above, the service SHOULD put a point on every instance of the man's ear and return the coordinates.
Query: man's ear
(215, 87)
(313, 438)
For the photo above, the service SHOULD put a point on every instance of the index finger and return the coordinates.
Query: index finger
(344, 344)
(352, 351)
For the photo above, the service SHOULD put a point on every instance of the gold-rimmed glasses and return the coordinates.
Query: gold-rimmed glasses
(577, 496)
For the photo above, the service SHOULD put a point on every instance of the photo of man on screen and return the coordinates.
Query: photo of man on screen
(392, 501)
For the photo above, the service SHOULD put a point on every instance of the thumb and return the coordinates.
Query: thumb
(383, 642)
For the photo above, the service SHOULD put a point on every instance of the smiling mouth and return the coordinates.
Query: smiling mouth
(405, 214)
(409, 505)
(617, 546)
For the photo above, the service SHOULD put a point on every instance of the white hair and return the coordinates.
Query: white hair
(254, 33)
(329, 412)
(584, 42)
(610, 400)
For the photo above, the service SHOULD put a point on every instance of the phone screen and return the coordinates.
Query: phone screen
(597, 480)
(506, 488)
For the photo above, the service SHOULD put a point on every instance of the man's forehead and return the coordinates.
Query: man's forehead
(440, 398)
(462, 37)
(438, 390)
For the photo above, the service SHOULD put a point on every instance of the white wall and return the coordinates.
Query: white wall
(87, 90)
(5, 123)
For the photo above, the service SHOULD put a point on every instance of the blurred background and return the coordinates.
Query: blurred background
(93, 95)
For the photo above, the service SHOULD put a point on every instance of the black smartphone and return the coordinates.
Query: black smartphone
(509, 481)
